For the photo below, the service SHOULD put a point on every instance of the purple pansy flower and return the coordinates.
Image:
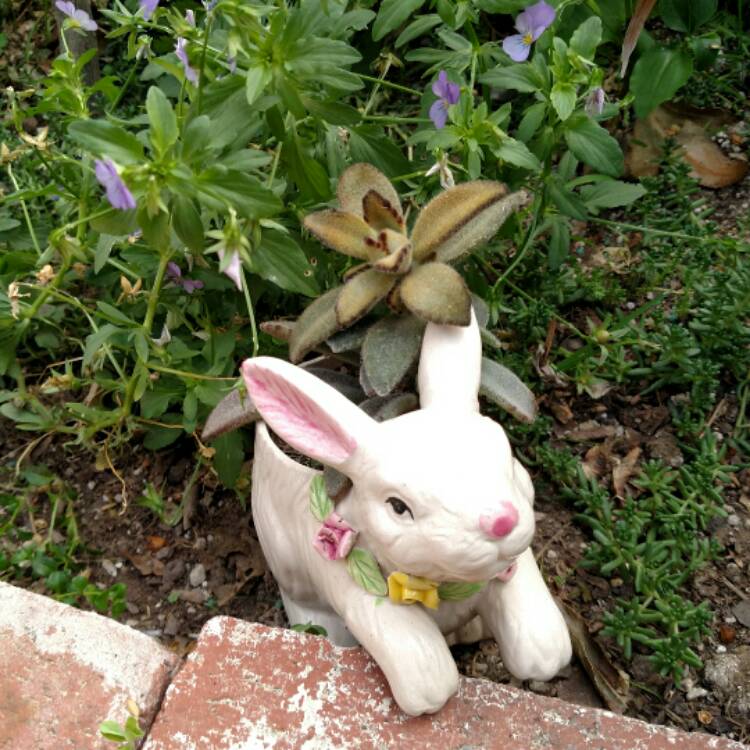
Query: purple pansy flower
(233, 270)
(118, 194)
(79, 17)
(182, 56)
(335, 538)
(148, 7)
(448, 94)
(595, 102)
(175, 273)
(531, 23)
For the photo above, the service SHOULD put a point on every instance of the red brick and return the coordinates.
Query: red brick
(247, 686)
(63, 672)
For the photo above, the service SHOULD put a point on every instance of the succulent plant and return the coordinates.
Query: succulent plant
(411, 273)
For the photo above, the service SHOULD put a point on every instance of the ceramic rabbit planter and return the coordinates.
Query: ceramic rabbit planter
(458, 510)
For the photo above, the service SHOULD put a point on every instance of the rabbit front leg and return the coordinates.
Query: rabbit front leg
(526, 623)
(405, 642)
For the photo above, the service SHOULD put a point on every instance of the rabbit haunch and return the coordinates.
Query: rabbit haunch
(470, 518)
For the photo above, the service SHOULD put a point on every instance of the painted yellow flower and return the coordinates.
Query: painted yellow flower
(406, 589)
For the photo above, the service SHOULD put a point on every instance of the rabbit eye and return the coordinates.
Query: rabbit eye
(399, 506)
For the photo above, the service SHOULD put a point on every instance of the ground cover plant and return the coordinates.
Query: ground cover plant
(167, 171)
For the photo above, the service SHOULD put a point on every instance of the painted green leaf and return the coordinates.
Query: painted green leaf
(321, 506)
(437, 293)
(365, 572)
(453, 591)
(317, 323)
(507, 390)
(390, 349)
(657, 76)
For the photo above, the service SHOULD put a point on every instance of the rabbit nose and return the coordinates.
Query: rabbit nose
(502, 524)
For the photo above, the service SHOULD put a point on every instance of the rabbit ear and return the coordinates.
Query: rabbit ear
(450, 366)
(312, 417)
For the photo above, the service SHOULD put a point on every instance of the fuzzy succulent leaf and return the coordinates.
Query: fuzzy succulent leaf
(342, 231)
(360, 294)
(436, 292)
(357, 181)
(379, 213)
(382, 408)
(279, 329)
(349, 340)
(316, 324)
(390, 350)
(346, 385)
(234, 410)
(489, 339)
(507, 390)
(480, 310)
(462, 217)
(398, 261)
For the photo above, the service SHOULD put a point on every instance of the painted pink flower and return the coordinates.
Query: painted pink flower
(335, 538)
(118, 194)
(182, 56)
(448, 94)
(79, 17)
(531, 24)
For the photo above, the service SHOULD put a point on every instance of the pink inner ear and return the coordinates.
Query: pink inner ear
(296, 418)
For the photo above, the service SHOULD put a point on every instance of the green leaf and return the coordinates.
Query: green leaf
(507, 390)
(563, 98)
(229, 457)
(566, 201)
(365, 572)
(115, 315)
(524, 78)
(220, 188)
(657, 76)
(116, 223)
(611, 194)
(335, 113)
(104, 246)
(531, 120)
(593, 145)
(687, 15)
(140, 341)
(155, 228)
(105, 139)
(112, 731)
(309, 175)
(369, 144)
(162, 120)
(258, 77)
(453, 591)
(517, 153)
(321, 506)
(279, 259)
(390, 349)
(392, 14)
(559, 243)
(160, 437)
(187, 224)
(419, 26)
(587, 37)
(94, 341)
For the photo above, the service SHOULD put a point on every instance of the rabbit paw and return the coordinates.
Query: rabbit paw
(533, 639)
(422, 678)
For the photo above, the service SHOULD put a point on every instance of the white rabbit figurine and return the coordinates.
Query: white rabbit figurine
(436, 494)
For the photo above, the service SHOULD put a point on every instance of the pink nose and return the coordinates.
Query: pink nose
(502, 524)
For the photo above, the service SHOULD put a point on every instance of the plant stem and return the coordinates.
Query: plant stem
(388, 84)
(25, 210)
(392, 119)
(648, 230)
(123, 88)
(251, 312)
(193, 375)
(201, 77)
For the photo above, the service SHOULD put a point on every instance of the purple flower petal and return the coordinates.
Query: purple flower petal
(85, 21)
(190, 17)
(440, 87)
(516, 48)
(595, 102)
(233, 270)
(173, 270)
(535, 19)
(148, 7)
(182, 56)
(190, 285)
(439, 114)
(66, 7)
(117, 191)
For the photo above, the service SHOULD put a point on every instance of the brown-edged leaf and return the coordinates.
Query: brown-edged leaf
(611, 683)
(507, 390)
(390, 350)
(360, 179)
(380, 214)
(317, 323)
(437, 293)
(360, 294)
(637, 21)
(625, 469)
(397, 262)
(462, 217)
(233, 411)
(279, 329)
(342, 231)
(382, 408)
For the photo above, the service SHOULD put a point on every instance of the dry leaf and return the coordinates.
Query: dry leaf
(625, 469)
(637, 21)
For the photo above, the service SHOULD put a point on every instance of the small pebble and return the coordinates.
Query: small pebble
(91, 484)
(727, 633)
(705, 717)
(109, 566)
(733, 519)
(721, 649)
(551, 554)
(197, 575)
